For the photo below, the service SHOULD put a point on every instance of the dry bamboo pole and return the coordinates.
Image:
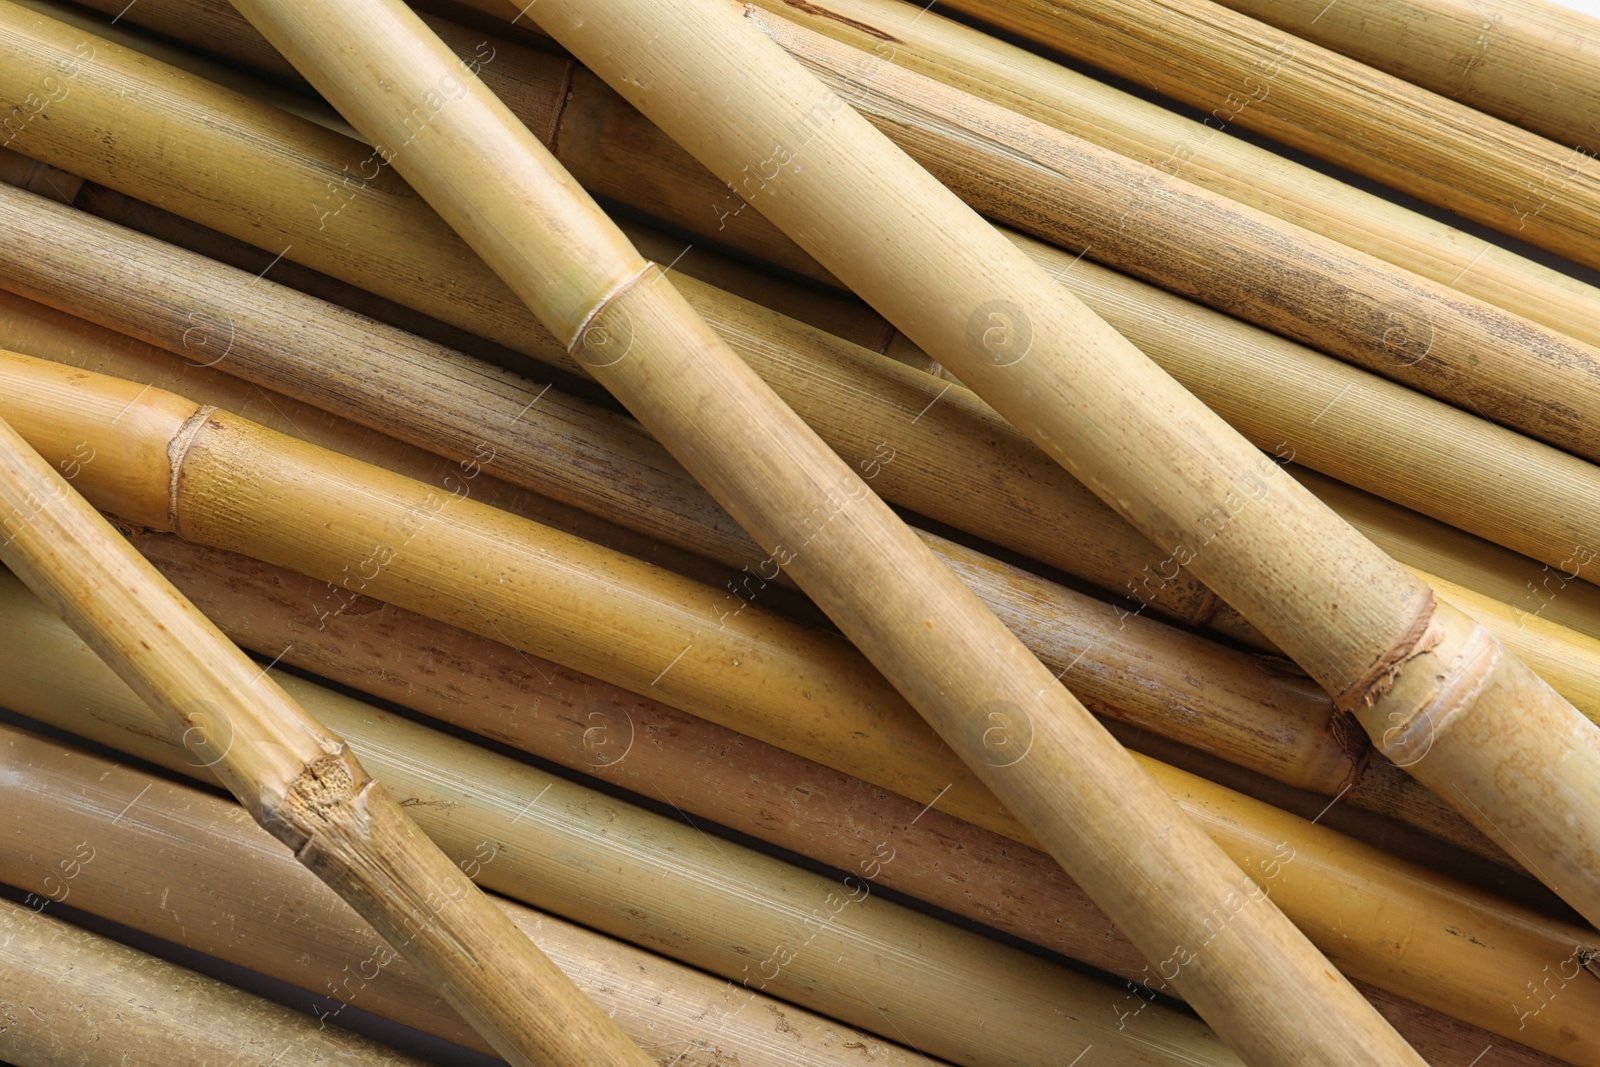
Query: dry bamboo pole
(290, 773)
(1551, 537)
(69, 994)
(1306, 864)
(837, 949)
(1433, 689)
(1529, 62)
(955, 54)
(1169, 232)
(960, 56)
(1240, 70)
(867, 555)
(299, 932)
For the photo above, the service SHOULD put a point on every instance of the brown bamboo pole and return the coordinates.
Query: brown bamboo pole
(1240, 70)
(1307, 865)
(69, 993)
(1529, 62)
(600, 274)
(291, 774)
(298, 931)
(1381, 643)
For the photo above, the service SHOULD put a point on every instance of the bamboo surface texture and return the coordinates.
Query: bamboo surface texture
(837, 948)
(298, 931)
(1238, 70)
(1530, 62)
(1309, 866)
(900, 843)
(1332, 415)
(1134, 217)
(1433, 689)
(70, 993)
(860, 728)
(290, 773)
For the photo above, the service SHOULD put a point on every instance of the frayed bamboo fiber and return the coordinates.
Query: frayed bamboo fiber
(182, 864)
(1238, 70)
(674, 758)
(72, 996)
(837, 949)
(1433, 689)
(1530, 62)
(293, 776)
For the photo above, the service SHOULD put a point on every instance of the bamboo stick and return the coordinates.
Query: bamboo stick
(865, 558)
(293, 776)
(749, 918)
(1529, 62)
(1239, 70)
(299, 932)
(1409, 668)
(1310, 869)
(69, 993)
(1536, 516)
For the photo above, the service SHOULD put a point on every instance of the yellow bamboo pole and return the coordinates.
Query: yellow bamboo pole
(745, 785)
(290, 773)
(70, 993)
(1530, 62)
(1238, 70)
(1435, 691)
(240, 898)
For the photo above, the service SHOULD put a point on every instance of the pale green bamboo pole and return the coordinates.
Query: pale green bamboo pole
(294, 776)
(1517, 760)
(71, 994)
(1530, 62)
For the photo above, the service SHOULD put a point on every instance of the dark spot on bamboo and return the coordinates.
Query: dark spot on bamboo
(822, 12)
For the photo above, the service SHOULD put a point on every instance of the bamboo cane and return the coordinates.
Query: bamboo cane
(1535, 520)
(297, 931)
(67, 991)
(727, 909)
(865, 557)
(1200, 243)
(1529, 62)
(1409, 668)
(1239, 70)
(1308, 867)
(293, 776)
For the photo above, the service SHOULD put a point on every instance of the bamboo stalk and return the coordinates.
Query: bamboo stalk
(875, 579)
(1529, 62)
(291, 774)
(747, 788)
(1536, 516)
(1239, 70)
(68, 991)
(1435, 691)
(299, 932)
(749, 918)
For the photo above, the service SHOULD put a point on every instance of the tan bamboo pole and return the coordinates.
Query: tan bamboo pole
(180, 863)
(867, 554)
(1296, 862)
(1288, 564)
(1530, 62)
(1242, 71)
(70, 993)
(1181, 237)
(838, 949)
(958, 55)
(291, 774)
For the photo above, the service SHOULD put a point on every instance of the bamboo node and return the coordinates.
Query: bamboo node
(177, 450)
(1420, 637)
(1457, 682)
(326, 793)
(605, 336)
